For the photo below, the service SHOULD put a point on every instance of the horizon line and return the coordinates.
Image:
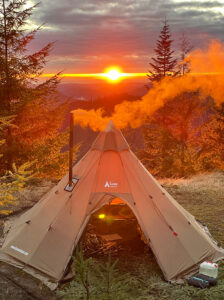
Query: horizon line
(121, 75)
(97, 75)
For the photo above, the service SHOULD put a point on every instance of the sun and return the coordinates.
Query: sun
(113, 74)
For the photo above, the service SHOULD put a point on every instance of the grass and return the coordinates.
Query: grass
(203, 197)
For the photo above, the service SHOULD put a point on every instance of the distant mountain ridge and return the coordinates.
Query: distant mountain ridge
(90, 91)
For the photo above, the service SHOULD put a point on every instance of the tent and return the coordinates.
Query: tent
(42, 240)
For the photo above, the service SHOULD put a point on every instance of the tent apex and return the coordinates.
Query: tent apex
(110, 126)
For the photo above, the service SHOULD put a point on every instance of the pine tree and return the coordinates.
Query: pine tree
(185, 49)
(19, 69)
(161, 150)
(184, 116)
(163, 64)
(111, 283)
(38, 137)
(83, 285)
(168, 143)
(37, 112)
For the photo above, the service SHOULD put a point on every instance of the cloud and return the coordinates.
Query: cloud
(117, 30)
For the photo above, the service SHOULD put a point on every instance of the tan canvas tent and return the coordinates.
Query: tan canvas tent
(42, 240)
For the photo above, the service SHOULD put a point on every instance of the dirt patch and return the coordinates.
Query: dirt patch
(16, 284)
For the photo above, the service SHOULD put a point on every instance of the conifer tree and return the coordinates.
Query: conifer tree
(111, 284)
(19, 69)
(168, 144)
(163, 64)
(185, 49)
(161, 150)
(37, 112)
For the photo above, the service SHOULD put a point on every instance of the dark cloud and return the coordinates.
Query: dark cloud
(93, 33)
(195, 4)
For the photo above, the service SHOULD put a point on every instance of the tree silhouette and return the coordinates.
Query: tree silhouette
(163, 64)
(36, 110)
(185, 49)
(19, 70)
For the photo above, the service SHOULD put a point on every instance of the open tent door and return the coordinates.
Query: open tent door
(113, 229)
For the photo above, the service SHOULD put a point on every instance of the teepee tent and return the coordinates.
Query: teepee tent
(42, 240)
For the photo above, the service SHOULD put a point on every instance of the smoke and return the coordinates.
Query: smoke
(207, 76)
(210, 60)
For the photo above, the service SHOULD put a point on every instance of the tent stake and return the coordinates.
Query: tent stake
(71, 149)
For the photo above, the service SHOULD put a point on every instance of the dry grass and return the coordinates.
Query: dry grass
(200, 182)
(202, 196)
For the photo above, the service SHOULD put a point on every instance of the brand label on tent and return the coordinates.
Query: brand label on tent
(19, 250)
(111, 184)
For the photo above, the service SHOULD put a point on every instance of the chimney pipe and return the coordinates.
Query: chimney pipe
(71, 145)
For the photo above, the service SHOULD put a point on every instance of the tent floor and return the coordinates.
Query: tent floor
(114, 237)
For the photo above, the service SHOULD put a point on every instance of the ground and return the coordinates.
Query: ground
(202, 195)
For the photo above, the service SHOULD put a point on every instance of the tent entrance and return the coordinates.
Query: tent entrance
(113, 229)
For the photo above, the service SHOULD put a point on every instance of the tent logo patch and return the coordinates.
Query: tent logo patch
(111, 184)
(19, 250)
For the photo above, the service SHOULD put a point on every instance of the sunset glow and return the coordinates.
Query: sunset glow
(111, 74)
(115, 76)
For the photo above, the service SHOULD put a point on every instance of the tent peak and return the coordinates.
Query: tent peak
(110, 139)
(110, 126)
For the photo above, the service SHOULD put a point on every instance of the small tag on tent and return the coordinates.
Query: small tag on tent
(174, 232)
(69, 188)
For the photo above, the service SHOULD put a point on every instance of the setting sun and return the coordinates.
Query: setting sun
(113, 74)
